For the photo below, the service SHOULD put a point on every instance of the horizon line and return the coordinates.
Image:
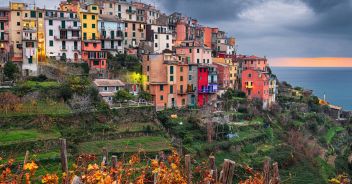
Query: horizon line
(317, 62)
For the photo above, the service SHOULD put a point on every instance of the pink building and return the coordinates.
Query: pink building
(252, 62)
(4, 35)
(194, 53)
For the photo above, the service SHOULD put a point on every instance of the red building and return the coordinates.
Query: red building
(92, 54)
(259, 85)
(207, 84)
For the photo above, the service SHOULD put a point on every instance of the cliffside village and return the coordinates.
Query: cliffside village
(185, 64)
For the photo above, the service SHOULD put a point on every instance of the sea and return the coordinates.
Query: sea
(334, 83)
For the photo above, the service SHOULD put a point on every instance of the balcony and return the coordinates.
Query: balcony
(207, 91)
(5, 38)
(29, 29)
(4, 18)
(70, 28)
(67, 38)
(117, 37)
(131, 11)
(182, 92)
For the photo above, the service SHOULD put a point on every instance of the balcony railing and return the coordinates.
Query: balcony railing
(207, 91)
(181, 92)
(4, 18)
(249, 86)
(131, 11)
(70, 28)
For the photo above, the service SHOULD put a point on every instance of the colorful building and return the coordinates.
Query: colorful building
(259, 85)
(207, 84)
(166, 80)
(4, 35)
(91, 44)
(158, 38)
(232, 65)
(63, 33)
(111, 34)
(194, 52)
(223, 75)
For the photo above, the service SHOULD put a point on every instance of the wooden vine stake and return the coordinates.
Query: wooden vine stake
(188, 168)
(276, 176)
(213, 169)
(266, 170)
(63, 155)
(228, 171)
(105, 157)
(114, 165)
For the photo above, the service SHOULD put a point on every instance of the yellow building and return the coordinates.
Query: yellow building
(89, 22)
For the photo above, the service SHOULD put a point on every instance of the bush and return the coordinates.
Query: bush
(122, 95)
(10, 70)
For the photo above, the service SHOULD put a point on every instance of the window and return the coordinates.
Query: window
(249, 75)
(94, 8)
(156, 44)
(18, 23)
(190, 50)
(75, 47)
(126, 34)
(94, 45)
(51, 43)
(171, 78)
(61, 14)
(84, 36)
(84, 16)
(161, 87)
(103, 44)
(25, 15)
(18, 13)
(167, 37)
(167, 45)
(33, 14)
(74, 24)
(183, 101)
(161, 97)
(198, 61)
(50, 22)
(93, 25)
(93, 17)
(93, 36)
(181, 69)
(110, 5)
(71, 15)
(119, 7)
(171, 69)
(40, 14)
(190, 77)
(156, 36)
(134, 34)
(190, 68)
(96, 63)
(86, 44)
(171, 89)
(181, 78)
(51, 32)
(197, 50)
(133, 27)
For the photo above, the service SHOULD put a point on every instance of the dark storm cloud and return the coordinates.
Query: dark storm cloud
(208, 11)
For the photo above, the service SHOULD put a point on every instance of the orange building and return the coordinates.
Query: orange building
(208, 36)
(166, 80)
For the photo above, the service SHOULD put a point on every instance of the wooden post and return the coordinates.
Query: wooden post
(26, 158)
(64, 165)
(276, 175)
(266, 171)
(212, 166)
(156, 174)
(188, 168)
(105, 156)
(114, 165)
(227, 172)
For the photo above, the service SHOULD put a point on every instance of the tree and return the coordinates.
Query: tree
(10, 70)
(122, 96)
(145, 96)
(9, 101)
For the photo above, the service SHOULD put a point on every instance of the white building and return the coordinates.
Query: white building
(107, 88)
(30, 54)
(111, 30)
(63, 35)
(160, 38)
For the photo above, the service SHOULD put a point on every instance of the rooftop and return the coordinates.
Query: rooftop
(108, 82)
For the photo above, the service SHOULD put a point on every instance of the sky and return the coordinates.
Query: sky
(272, 28)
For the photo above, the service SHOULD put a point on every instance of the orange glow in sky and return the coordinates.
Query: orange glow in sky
(311, 62)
